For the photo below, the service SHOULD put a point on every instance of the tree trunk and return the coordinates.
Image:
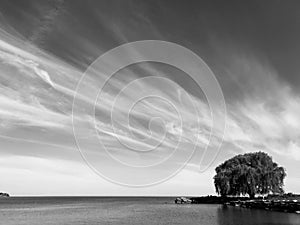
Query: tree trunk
(251, 195)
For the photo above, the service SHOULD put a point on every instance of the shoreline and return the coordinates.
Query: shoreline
(289, 206)
(282, 203)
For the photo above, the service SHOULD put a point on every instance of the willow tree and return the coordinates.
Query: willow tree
(251, 173)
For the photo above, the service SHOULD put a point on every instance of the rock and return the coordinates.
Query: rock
(4, 194)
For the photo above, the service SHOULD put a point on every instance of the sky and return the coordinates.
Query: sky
(68, 128)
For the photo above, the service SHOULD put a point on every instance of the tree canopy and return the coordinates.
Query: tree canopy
(251, 173)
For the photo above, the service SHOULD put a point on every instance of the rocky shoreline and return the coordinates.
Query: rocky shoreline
(282, 203)
(292, 206)
(211, 199)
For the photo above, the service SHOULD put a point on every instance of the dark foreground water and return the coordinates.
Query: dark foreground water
(94, 210)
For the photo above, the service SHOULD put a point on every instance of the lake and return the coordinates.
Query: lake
(133, 210)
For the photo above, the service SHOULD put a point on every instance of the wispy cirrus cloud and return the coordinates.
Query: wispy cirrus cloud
(46, 100)
(263, 114)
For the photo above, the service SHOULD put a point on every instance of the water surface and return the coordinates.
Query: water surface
(113, 210)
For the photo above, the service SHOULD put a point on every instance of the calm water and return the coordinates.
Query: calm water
(82, 210)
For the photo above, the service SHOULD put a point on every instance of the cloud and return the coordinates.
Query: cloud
(38, 93)
(47, 20)
(31, 115)
(263, 115)
(44, 75)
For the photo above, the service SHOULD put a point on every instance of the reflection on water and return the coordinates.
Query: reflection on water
(237, 215)
(90, 211)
